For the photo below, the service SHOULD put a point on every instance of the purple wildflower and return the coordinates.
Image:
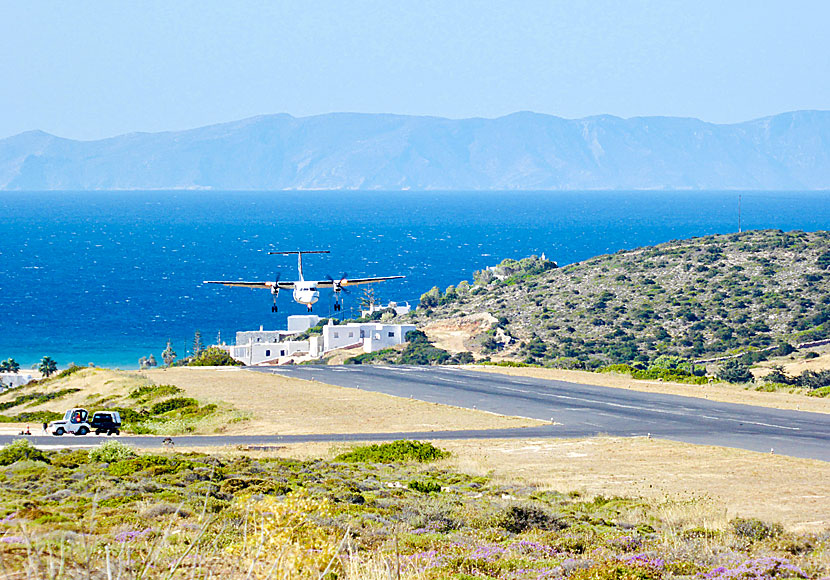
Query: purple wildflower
(757, 569)
(13, 539)
(132, 535)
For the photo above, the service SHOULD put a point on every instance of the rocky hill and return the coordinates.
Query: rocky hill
(697, 299)
(398, 152)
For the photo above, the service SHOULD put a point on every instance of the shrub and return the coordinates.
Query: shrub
(21, 449)
(753, 529)
(424, 486)
(735, 372)
(395, 452)
(631, 569)
(518, 518)
(172, 404)
(153, 464)
(111, 451)
(154, 391)
(71, 370)
(213, 357)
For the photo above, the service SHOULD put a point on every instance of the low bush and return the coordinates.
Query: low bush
(616, 570)
(734, 371)
(519, 518)
(653, 374)
(213, 357)
(36, 398)
(424, 486)
(149, 392)
(395, 452)
(172, 404)
(754, 530)
(111, 451)
(20, 449)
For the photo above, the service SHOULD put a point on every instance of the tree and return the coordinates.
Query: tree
(142, 363)
(430, 299)
(9, 366)
(169, 355)
(198, 347)
(735, 372)
(367, 299)
(47, 366)
(151, 361)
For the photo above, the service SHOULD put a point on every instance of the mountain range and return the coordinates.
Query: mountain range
(522, 151)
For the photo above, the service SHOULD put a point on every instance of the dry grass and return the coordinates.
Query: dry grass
(287, 406)
(722, 392)
(732, 482)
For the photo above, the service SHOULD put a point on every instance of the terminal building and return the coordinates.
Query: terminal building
(275, 347)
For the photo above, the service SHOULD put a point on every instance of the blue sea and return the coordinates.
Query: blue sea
(109, 277)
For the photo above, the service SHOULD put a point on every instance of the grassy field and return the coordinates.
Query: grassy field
(376, 514)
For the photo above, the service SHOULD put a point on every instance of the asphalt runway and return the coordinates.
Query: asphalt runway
(574, 410)
(586, 410)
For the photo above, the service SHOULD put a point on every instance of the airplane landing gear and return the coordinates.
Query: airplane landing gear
(337, 307)
(274, 308)
(309, 307)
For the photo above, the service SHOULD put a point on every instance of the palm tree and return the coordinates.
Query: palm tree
(47, 366)
(10, 365)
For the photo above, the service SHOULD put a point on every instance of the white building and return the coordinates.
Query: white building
(10, 380)
(373, 336)
(276, 347)
(269, 346)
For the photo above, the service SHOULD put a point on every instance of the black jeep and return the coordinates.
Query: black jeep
(108, 422)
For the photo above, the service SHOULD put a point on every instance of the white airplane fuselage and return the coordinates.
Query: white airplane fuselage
(306, 293)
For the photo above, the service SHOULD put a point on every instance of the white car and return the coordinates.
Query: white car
(74, 421)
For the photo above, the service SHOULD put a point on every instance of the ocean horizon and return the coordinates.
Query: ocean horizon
(109, 277)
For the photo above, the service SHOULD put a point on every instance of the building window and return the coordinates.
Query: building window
(282, 353)
(392, 334)
(362, 334)
(267, 353)
(351, 334)
(336, 335)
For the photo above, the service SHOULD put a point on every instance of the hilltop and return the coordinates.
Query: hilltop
(696, 299)
(522, 151)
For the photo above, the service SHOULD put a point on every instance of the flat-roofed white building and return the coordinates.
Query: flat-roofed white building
(11, 380)
(261, 346)
(373, 336)
(268, 352)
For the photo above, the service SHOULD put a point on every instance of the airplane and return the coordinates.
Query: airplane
(305, 291)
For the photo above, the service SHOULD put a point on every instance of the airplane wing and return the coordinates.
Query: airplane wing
(354, 281)
(243, 284)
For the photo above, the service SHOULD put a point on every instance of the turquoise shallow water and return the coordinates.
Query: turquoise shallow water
(108, 277)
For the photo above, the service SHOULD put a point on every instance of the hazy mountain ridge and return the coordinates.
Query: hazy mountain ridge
(393, 152)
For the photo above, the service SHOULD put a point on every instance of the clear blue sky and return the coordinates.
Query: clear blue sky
(91, 69)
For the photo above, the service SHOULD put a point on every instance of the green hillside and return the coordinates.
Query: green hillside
(698, 298)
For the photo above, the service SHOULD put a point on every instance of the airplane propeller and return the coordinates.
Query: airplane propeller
(337, 285)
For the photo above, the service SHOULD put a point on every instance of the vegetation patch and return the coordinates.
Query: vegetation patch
(111, 512)
(695, 299)
(395, 452)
